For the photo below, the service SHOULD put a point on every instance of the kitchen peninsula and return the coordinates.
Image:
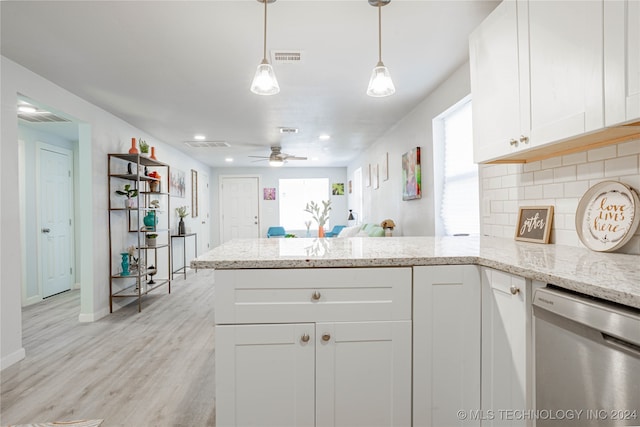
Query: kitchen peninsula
(384, 331)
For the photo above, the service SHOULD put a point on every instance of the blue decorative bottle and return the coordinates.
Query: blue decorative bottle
(150, 220)
(125, 263)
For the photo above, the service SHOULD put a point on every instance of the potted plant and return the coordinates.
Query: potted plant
(182, 212)
(154, 186)
(150, 239)
(321, 217)
(130, 193)
(144, 147)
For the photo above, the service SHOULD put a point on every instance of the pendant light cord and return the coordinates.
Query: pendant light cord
(264, 49)
(379, 32)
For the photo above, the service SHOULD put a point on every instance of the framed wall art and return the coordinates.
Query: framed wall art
(194, 193)
(269, 193)
(337, 189)
(384, 167)
(534, 224)
(177, 183)
(411, 175)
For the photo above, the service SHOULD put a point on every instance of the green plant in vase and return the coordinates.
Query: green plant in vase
(130, 194)
(182, 212)
(320, 215)
(144, 147)
(151, 239)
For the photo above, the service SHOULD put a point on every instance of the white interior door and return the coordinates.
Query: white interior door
(204, 237)
(239, 208)
(55, 249)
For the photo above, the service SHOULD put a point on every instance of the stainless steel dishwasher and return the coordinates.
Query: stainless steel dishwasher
(587, 361)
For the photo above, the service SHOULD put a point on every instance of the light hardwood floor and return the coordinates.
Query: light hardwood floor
(154, 368)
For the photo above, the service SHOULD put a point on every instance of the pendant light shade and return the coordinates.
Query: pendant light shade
(265, 82)
(380, 83)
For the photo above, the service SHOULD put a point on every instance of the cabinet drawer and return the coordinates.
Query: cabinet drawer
(312, 295)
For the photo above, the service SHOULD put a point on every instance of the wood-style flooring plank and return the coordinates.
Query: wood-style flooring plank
(154, 368)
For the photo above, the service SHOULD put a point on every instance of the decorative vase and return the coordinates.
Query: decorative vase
(154, 186)
(153, 153)
(150, 220)
(320, 231)
(133, 149)
(129, 203)
(181, 227)
(150, 242)
(125, 263)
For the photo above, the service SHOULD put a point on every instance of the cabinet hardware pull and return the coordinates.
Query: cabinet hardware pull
(326, 337)
(305, 338)
(316, 296)
(524, 139)
(514, 290)
(513, 142)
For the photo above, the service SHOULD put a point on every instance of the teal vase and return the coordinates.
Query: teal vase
(125, 263)
(151, 220)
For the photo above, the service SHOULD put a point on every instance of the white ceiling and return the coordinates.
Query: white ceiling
(178, 68)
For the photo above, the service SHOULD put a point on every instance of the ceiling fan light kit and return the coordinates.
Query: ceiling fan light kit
(380, 83)
(265, 82)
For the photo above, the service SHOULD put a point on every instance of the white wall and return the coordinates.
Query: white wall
(269, 211)
(99, 134)
(414, 217)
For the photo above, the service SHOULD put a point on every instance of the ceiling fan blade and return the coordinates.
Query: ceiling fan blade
(259, 160)
(260, 157)
(296, 158)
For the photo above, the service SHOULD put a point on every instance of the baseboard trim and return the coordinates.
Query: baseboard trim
(12, 358)
(92, 317)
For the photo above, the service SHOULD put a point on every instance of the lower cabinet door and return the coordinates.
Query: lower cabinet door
(363, 374)
(265, 375)
(446, 346)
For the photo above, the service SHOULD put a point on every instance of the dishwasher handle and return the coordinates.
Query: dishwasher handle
(613, 320)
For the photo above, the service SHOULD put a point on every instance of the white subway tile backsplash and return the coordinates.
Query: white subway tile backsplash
(626, 148)
(553, 162)
(565, 173)
(560, 182)
(574, 159)
(553, 191)
(608, 152)
(591, 170)
(627, 165)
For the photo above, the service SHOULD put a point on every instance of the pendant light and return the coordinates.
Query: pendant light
(265, 82)
(380, 83)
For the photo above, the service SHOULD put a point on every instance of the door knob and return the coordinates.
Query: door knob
(304, 338)
(46, 230)
(513, 142)
(316, 296)
(514, 290)
(326, 337)
(524, 139)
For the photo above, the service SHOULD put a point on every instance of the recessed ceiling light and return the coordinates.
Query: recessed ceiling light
(324, 137)
(199, 137)
(228, 160)
(315, 159)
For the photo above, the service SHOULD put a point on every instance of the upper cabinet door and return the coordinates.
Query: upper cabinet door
(622, 61)
(565, 70)
(495, 83)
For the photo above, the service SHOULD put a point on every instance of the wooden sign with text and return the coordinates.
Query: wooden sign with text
(534, 224)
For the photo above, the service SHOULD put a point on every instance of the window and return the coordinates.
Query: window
(458, 211)
(294, 196)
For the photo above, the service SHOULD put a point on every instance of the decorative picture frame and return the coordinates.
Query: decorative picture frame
(269, 193)
(337, 189)
(194, 193)
(411, 175)
(534, 224)
(375, 177)
(367, 176)
(350, 186)
(177, 183)
(384, 167)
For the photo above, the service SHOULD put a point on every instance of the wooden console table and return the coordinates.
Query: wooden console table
(183, 269)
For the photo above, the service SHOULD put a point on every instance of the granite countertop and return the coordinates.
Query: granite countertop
(611, 276)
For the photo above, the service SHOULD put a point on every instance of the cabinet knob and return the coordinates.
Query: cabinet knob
(524, 139)
(316, 296)
(513, 142)
(326, 337)
(304, 338)
(514, 290)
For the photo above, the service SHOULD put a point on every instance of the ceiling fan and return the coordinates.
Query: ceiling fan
(277, 157)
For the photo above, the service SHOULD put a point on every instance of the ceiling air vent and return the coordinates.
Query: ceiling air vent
(286, 57)
(288, 131)
(207, 144)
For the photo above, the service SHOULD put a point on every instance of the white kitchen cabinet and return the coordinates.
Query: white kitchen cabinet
(300, 348)
(622, 61)
(446, 345)
(536, 76)
(507, 353)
